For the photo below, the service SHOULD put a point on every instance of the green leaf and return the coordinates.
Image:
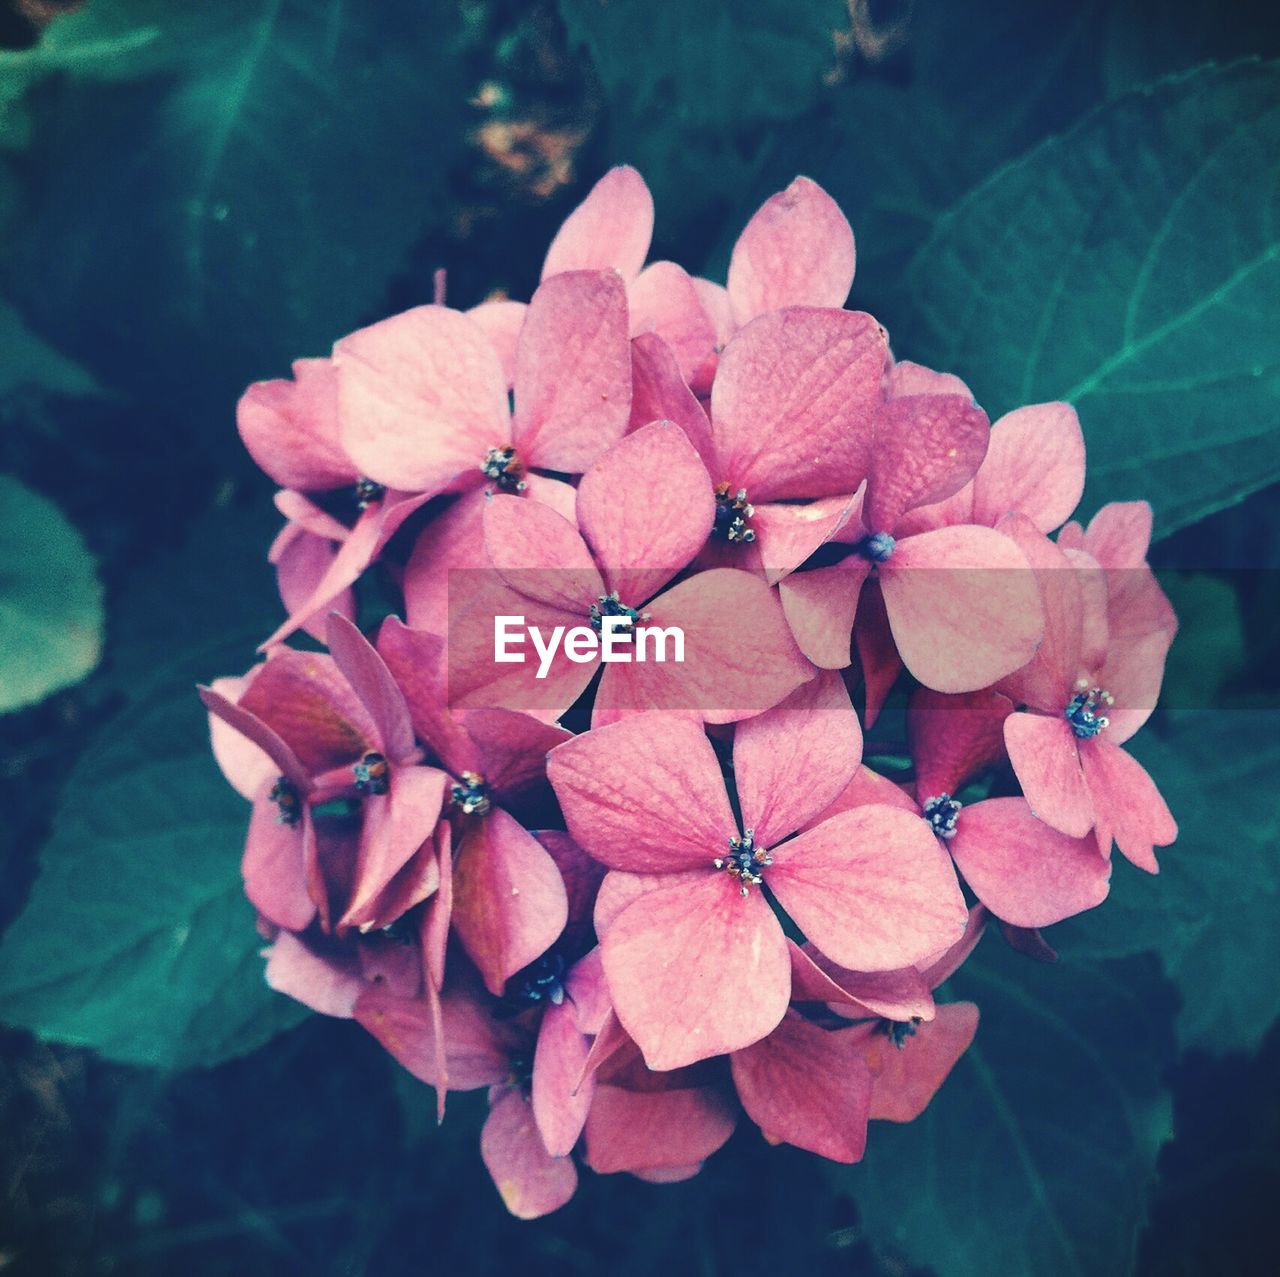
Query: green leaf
(1210, 649)
(1037, 1154)
(227, 187)
(727, 66)
(50, 599)
(137, 939)
(1212, 915)
(1131, 267)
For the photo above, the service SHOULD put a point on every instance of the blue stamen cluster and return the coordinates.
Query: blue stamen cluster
(942, 812)
(745, 861)
(1082, 710)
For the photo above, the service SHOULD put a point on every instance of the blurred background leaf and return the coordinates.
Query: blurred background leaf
(226, 187)
(50, 599)
(137, 940)
(1111, 268)
(1037, 1155)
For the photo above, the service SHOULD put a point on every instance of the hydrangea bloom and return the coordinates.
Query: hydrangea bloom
(642, 904)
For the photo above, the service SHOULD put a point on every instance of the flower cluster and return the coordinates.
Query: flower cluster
(644, 903)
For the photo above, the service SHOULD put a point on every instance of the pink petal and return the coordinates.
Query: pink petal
(582, 877)
(304, 699)
(1047, 680)
(422, 397)
(539, 553)
(1023, 871)
(954, 737)
(807, 1086)
(927, 447)
(501, 321)
(290, 429)
(646, 508)
(271, 755)
(715, 301)
(327, 983)
(870, 888)
(452, 542)
(906, 1078)
(372, 531)
(1128, 804)
(820, 608)
(511, 749)
(476, 680)
(1034, 465)
(664, 301)
(367, 673)
(796, 251)
(793, 404)
(619, 889)
(417, 881)
(1046, 759)
(415, 661)
(509, 904)
(274, 871)
(245, 765)
(897, 995)
(792, 760)
(941, 967)
(297, 509)
(302, 562)
(610, 229)
(573, 372)
(476, 1053)
(786, 535)
(877, 652)
(659, 393)
(963, 605)
(396, 825)
(1119, 535)
(907, 378)
(587, 992)
(646, 1131)
(559, 1104)
(867, 788)
(1132, 673)
(438, 914)
(696, 970)
(739, 656)
(529, 1180)
(644, 794)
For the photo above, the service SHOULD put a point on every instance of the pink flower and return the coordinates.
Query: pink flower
(1026, 873)
(696, 961)
(644, 510)
(1084, 696)
(961, 606)
(530, 1064)
(796, 251)
(337, 727)
(507, 899)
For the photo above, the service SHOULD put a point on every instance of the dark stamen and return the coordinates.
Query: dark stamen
(373, 774)
(471, 796)
(878, 548)
(367, 492)
(285, 796)
(942, 812)
(1082, 710)
(745, 861)
(609, 605)
(504, 468)
(733, 515)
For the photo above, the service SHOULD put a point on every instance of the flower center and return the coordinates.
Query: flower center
(733, 515)
(285, 796)
(373, 775)
(1082, 710)
(504, 468)
(941, 812)
(471, 796)
(878, 547)
(610, 605)
(367, 492)
(745, 861)
(541, 981)
(898, 1031)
